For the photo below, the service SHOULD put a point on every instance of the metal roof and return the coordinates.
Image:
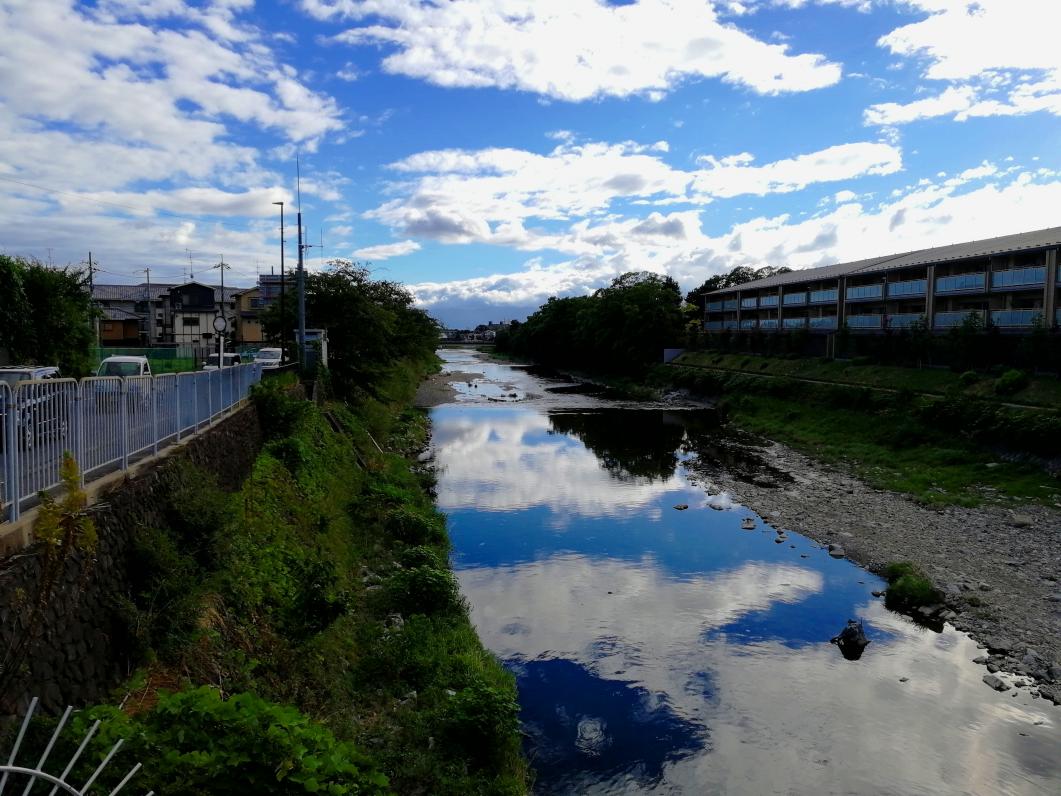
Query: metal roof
(1024, 241)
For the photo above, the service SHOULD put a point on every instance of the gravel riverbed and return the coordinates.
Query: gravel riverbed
(999, 569)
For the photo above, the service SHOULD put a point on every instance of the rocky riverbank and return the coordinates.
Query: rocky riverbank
(999, 569)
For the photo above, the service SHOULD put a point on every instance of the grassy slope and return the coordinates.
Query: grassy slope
(1041, 391)
(883, 441)
(288, 590)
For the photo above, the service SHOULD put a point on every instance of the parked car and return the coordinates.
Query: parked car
(124, 367)
(269, 358)
(37, 416)
(230, 360)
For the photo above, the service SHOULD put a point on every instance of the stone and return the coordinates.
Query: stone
(877, 593)
(981, 660)
(996, 682)
(1021, 521)
(1054, 598)
(904, 679)
(747, 524)
(836, 551)
(998, 644)
(682, 506)
(992, 667)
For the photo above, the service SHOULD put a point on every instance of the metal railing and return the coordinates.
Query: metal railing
(827, 296)
(794, 299)
(1016, 318)
(748, 323)
(905, 320)
(768, 323)
(1019, 277)
(960, 283)
(911, 287)
(714, 306)
(947, 320)
(864, 321)
(824, 322)
(104, 422)
(793, 323)
(863, 292)
(768, 301)
(749, 303)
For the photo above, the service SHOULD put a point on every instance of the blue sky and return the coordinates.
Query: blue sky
(492, 153)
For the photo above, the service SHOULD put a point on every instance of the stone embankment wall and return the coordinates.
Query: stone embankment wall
(79, 648)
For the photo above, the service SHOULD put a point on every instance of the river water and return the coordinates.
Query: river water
(659, 650)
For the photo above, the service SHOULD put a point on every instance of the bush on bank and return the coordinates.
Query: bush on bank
(306, 621)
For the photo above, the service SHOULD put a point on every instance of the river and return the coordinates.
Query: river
(670, 650)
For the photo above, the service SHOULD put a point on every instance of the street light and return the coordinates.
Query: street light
(282, 280)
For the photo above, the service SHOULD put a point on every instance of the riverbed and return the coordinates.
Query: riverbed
(664, 640)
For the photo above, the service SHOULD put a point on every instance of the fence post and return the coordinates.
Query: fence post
(123, 422)
(154, 414)
(77, 423)
(11, 453)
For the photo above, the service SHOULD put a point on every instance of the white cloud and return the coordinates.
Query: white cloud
(387, 250)
(137, 112)
(999, 57)
(981, 201)
(491, 195)
(572, 49)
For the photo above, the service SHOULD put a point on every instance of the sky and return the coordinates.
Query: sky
(490, 154)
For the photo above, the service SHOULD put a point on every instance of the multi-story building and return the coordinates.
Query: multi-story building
(269, 285)
(248, 319)
(1011, 283)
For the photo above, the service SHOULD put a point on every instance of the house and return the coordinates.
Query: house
(1012, 283)
(119, 327)
(155, 306)
(247, 315)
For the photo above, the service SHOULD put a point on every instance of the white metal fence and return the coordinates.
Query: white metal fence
(105, 422)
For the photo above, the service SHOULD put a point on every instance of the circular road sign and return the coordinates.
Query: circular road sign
(220, 323)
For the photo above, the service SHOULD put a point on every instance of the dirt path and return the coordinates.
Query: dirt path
(1000, 570)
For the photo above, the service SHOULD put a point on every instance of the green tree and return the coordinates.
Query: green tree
(46, 316)
(738, 276)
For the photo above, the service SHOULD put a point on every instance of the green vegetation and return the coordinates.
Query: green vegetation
(620, 329)
(306, 634)
(1039, 391)
(908, 587)
(938, 449)
(46, 316)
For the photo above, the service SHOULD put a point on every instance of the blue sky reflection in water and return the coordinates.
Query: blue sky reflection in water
(670, 651)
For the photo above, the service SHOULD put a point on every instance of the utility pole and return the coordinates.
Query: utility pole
(222, 266)
(92, 299)
(301, 274)
(150, 310)
(283, 280)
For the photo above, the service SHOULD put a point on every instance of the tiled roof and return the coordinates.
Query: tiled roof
(1024, 241)
(158, 289)
(118, 314)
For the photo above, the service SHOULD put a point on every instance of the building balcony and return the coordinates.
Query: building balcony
(948, 320)
(864, 321)
(794, 299)
(911, 287)
(714, 306)
(768, 324)
(865, 292)
(728, 305)
(794, 323)
(749, 303)
(747, 324)
(1016, 319)
(1017, 278)
(824, 323)
(961, 283)
(904, 320)
(713, 326)
(768, 301)
(729, 324)
(824, 296)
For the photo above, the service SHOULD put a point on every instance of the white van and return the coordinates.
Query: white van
(124, 366)
(212, 361)
(268, 358)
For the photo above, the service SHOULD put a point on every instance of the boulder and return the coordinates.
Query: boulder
(996, 682)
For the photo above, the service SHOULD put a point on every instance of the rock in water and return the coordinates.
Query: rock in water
(747, 524)
(682, 506)
(996, 682)
(851, 640)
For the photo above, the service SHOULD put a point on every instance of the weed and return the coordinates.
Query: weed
(908, 587)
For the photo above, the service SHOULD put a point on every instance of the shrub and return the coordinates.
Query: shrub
(424, 590)
(415, 527)
(194, 742)
(1011, 381)
(968, 378)
(479, 722)
(421, 556)
(908, 587)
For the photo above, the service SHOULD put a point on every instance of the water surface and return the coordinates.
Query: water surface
(659, 650)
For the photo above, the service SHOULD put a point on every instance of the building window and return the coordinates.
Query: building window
(190, 321)
(107, 327)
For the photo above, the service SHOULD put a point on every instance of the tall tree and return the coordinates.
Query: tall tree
(738, 276)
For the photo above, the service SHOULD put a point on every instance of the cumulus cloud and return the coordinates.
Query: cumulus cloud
(981, 201)
(387, 250)
(496, 195)
(137, 112)
(572, 50)
(996, 57)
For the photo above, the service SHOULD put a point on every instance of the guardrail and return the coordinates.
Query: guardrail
(105, 422)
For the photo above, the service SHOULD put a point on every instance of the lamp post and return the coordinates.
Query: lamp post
(282, 280)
